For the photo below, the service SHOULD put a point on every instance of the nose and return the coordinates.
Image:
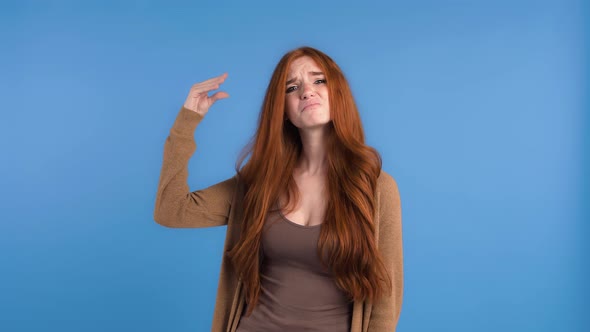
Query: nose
(307, 91)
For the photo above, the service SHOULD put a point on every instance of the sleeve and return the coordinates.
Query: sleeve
(386, 311)
(175, 205)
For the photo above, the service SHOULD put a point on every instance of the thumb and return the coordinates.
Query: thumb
(217, 96)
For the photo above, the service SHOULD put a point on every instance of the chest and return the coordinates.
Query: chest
(311, 207)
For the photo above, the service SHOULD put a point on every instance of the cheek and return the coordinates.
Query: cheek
(325, 93)
(291, 105)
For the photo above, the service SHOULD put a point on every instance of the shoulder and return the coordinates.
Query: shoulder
(388, 198)
(386, 185)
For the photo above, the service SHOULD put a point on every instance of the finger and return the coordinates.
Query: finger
(216, 79)
(217, 96)
(204, 88)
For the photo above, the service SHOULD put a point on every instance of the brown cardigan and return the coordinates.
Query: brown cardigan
(221, 204)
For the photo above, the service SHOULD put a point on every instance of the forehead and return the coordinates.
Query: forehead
(303, 64)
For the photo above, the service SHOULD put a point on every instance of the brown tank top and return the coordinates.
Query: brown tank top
(297, 293)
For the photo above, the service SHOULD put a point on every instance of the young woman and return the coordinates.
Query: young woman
(314, 238)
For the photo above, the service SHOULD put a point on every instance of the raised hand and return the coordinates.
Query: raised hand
(198, 99)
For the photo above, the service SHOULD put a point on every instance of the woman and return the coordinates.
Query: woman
(313, 224)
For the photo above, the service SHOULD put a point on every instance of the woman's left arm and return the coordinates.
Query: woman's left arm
(386, 311)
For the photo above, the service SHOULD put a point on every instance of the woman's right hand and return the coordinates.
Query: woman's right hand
(198, 99)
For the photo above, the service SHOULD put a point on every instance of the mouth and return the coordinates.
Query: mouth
(308, 106)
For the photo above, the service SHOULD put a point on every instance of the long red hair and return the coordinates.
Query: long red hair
(347, 243)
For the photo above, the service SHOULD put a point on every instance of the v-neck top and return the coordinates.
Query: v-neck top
(297, 292)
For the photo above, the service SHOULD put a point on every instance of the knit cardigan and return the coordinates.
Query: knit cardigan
(222, 204)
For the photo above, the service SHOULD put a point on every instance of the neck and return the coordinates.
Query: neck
(313, 159)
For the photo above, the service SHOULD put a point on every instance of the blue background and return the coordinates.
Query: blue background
(479, 109)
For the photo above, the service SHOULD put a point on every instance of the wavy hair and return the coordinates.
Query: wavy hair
(347, 244)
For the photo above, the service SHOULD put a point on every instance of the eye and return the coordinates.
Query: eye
(291, 88)
(322, 81)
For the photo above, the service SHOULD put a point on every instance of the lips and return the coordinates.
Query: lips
(309, 105)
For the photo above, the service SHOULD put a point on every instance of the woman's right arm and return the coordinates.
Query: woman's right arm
(176, 205)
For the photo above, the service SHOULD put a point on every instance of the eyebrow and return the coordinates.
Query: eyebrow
(313, 73)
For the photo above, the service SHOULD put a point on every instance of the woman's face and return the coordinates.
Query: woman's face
(307, 101)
